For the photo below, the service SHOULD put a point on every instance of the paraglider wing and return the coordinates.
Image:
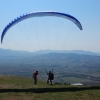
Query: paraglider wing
(39, 14)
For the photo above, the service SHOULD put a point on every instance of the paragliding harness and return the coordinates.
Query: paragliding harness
(51, 76)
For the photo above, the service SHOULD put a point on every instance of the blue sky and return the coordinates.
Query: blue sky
(86, 11)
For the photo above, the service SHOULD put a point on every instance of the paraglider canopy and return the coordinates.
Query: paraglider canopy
(40, 14)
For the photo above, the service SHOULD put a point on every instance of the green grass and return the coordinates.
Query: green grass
(23, 88)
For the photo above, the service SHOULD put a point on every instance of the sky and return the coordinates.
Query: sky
(24, 37)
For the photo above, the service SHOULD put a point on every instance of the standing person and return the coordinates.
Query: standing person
(35, 76)
(50, 77)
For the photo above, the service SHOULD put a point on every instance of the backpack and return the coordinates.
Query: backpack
(52, 76)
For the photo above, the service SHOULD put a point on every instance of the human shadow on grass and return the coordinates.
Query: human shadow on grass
(43, 90)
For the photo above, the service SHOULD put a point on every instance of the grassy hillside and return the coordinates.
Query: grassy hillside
(22, 88)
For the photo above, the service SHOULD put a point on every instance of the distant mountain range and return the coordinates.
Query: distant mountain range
(8, 52)
(74, 58)
(67, 51)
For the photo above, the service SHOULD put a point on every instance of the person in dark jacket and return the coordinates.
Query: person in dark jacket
(50, 77)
